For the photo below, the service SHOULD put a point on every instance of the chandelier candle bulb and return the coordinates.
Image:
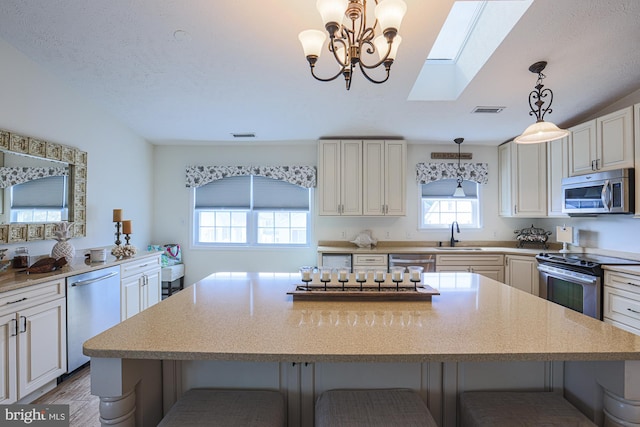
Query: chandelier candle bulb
(117, 215)
(126, 227)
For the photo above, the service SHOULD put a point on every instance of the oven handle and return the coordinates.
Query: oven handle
(555, 272)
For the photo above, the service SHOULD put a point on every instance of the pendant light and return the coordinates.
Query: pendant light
(459, 191)
(540, 131)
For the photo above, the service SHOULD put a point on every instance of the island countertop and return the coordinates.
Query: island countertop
(250, 317)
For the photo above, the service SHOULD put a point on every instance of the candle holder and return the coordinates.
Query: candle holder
(379, 277)
(397, 276)
(361, 277)
(118, 241)
(325, 276)
(415, 275)
(305, 273)
(127, 238)
(343, 276)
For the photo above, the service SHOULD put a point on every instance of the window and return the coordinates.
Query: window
(439, 208)
(40, 200)
(251, 210)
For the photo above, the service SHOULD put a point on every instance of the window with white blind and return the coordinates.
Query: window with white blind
(439, 208)
(251, 211)
(40, 200)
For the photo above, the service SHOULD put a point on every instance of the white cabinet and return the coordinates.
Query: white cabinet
(522, 180)
(557, 168)
(602, 144)
(33, 340)
(489, 265)
(621, 300)
(362, 178)
(370, 262)
(521, 272)
(384, 184)
(141, 285)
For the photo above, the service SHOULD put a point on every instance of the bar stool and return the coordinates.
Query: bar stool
(169, 275)
(226, 408)
(372, 408)
(519, 408)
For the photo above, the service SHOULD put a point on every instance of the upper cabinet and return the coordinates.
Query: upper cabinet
(362, 177)
(557, 168)
(602, 144)
(522, 180)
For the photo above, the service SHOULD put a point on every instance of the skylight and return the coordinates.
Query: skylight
(471, 33)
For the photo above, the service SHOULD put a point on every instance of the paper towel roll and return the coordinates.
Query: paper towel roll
(564, 234)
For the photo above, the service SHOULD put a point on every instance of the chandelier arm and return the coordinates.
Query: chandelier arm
(332, 48)
(384, 60)
(371, 79)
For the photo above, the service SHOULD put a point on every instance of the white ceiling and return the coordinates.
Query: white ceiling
(241, 69)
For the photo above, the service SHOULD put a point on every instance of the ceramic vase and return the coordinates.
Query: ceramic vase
(63, 248)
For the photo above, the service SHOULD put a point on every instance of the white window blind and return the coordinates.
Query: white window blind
(271, 194)
(43, 193)
(444, 188)
(229, 193)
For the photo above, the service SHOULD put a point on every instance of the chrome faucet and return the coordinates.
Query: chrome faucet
(453, 241)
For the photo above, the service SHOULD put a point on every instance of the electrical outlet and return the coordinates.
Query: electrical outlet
(387, 235)
(343, 234)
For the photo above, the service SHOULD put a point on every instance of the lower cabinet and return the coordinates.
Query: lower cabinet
(489, 265)
(370, 262)
(33, 339)
(521, 272)
(140, 286)
(621, 300)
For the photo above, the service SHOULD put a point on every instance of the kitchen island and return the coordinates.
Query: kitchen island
(242, 330)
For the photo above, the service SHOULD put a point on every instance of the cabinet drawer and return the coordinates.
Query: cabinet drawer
(622, 306)
(31, 295)
(489, 259)
(138, 266)
(371, 259)
(627, 282)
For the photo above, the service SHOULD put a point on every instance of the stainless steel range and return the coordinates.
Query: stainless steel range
(575, 280)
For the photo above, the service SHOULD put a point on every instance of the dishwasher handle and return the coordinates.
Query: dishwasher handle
(97, 279)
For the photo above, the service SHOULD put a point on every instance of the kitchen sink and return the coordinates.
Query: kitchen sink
(460, 248)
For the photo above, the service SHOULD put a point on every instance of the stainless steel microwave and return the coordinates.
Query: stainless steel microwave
(599, 193)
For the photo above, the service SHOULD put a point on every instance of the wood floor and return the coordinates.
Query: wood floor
(75, 392)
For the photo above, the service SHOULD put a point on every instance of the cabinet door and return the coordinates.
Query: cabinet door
(615, 140)
(529, 180)
(329, 178)
(42, 343)
(395, 167)
(504, 180)
(495, 273)
(130, 298)
(351, 178)
(8, 365)
(582, 148)
(557, 168)
(522, 273)
(374, 177)
(152, 291)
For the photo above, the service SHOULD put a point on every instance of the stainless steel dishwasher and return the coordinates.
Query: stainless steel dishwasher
(93, 306)
(426, 261)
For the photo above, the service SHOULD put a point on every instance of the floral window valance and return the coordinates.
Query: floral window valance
(303, 176)
(17, 175)
(429, 172)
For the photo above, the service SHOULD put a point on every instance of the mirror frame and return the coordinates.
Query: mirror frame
(77, 161)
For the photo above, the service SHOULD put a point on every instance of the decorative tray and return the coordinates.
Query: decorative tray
(368, 292)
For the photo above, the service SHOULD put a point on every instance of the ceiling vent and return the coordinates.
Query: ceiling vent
(243, 135)
(491, 110)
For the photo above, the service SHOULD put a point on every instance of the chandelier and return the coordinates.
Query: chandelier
(540, 131)
(350, 38)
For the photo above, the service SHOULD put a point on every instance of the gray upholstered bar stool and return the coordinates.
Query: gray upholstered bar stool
(522, 409)
(227, 408)
(372, 408)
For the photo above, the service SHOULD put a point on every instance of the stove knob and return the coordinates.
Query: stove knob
(583, 262)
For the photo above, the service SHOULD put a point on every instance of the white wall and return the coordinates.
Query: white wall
(173, 213)
(35, 103)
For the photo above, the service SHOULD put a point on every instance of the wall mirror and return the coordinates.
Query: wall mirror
(41, 184)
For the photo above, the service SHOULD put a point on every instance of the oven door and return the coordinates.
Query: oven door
(578, 291)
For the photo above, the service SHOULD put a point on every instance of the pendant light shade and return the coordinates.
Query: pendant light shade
(540, 131)
(459, 192)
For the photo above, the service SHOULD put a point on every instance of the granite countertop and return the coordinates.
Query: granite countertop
(13, 279)
(249, 316)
